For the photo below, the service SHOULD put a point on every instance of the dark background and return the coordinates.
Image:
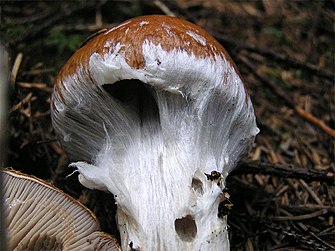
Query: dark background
(283, 195)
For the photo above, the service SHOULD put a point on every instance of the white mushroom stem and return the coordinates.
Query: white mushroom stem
(180, 117)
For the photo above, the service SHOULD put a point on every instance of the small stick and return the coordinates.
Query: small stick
(15, 69)
(38, 71)
(282, 190)
(24, 101)
(98, 16)
(284, 96)
(83, 27)
(282, 59)
(284, 170)
(322, 241)
(309, 207)
(288, 214)
(162, 6)
(327, 230)
(39, 86)
(311, 192)
(300, 217)
(315, 121)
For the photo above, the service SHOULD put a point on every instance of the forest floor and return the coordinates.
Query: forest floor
(283, 195)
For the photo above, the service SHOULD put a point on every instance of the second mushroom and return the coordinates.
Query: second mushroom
(148, 110)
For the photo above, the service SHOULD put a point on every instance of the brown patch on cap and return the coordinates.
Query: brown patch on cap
(168, 32)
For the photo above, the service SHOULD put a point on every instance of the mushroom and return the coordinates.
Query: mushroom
(145, 110)
(39, 216)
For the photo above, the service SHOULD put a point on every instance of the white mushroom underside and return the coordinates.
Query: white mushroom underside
(149, 161)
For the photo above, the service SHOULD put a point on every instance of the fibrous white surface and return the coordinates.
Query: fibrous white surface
(153, 151)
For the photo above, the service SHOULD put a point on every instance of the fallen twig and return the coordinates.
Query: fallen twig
(288, 100)
(275, 56)
(82, 27)
(307, 208)
(40, 86)
(24, 101)
(315, 121)
(38, 71)
(162, 6)
(300, 217)
(311, 192)
(322, 241)
(15, 68)
(284, 170)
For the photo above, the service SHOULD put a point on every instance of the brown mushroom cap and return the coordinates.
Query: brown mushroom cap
(169, 32)
(39, 216)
